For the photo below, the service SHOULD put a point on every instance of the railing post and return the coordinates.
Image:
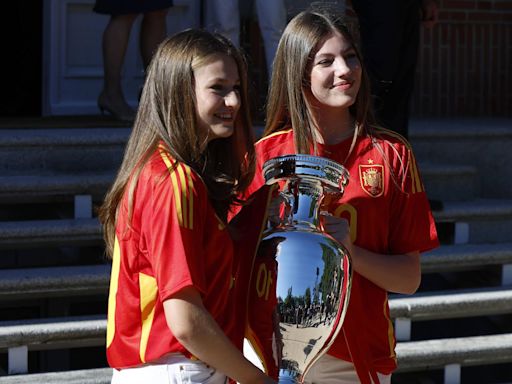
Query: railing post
(18, 360)
(461, 233)
(452, 374)
(506, 274)
(403, 329)
(83, 206)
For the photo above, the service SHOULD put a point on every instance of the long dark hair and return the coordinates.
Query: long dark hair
(167, 113)
(287, 103)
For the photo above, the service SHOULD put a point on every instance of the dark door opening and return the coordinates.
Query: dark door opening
(21, 66)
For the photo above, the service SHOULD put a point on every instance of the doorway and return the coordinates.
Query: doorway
(21, 65)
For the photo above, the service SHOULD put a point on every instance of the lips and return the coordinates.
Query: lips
(343, 85)
(224, 116)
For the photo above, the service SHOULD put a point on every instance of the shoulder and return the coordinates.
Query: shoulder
(274, 142)
(163, 171)
(276, 138)
(389, 137)
(397, 154)
(391, 146)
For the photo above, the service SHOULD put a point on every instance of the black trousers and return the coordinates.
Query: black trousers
(389, 40)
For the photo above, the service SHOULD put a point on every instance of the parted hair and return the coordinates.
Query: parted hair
(287, 103)
(167, 114)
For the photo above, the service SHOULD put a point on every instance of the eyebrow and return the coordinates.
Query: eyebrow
(330, 54)
(222, 80)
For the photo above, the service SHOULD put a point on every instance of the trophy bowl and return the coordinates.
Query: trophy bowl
(301, 279)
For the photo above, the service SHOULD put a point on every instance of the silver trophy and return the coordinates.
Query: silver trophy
(301, 276)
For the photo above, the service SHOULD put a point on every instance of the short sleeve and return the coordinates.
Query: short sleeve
(412, 227)
(175, 229)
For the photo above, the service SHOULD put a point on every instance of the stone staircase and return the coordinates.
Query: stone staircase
(444, 332)
(54, 281)
(54, 277)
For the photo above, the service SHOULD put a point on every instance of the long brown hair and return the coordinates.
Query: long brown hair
(287, 103)
(167, 113)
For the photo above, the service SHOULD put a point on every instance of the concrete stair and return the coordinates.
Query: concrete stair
(42, 283)
(84, 376)
(19, 337)
(51, 180)
(44, 233)
(450, 182)
(60, 151)
(51, 187)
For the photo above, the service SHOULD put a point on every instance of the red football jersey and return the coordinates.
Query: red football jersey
(388, 211)
(262, 312)
(173, 240)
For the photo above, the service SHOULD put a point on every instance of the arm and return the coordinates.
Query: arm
(394, 273)
(200, 334)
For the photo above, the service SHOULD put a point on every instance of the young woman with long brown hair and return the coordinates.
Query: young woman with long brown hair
(319, 103)
(171, 316)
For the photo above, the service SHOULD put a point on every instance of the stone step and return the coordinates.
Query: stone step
(75, 331)
(53, 333)
(449, 354)
(479, 220)
(465, 257)
(462, 351)
(456, 182)
(39, 283)
(483, 143)
(476, 221)
(84, 376)
(77, 280)
(450, 182)
(53, 187)
(452, 304)
(48, 233)
(61, 150)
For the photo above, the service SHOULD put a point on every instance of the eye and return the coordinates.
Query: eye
(325, 62)
(351, 56)
(217, 87)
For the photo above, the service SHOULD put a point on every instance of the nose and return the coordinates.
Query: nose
(342, 67)
(232, 99)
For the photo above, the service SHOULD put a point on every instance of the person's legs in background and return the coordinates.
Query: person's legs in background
(394, 111)
(272, 21)
(153, 30)
(115, 42)
(223, 16)
(390, 34)
(389, 39)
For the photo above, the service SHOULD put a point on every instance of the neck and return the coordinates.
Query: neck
(333, 125)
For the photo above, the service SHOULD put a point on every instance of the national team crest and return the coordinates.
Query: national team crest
(371, 177)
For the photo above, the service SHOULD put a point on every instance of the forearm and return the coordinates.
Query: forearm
(200, 334)
(394, 273)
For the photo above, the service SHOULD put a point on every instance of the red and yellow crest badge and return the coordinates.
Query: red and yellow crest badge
(371, 177)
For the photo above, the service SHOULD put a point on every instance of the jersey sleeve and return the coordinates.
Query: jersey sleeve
(412, 227)
(175, 227)
(258, 179)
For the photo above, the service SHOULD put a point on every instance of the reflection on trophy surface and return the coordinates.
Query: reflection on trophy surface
(301, 276)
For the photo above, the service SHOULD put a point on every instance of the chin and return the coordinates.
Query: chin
(348, 102)
(222, 133)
